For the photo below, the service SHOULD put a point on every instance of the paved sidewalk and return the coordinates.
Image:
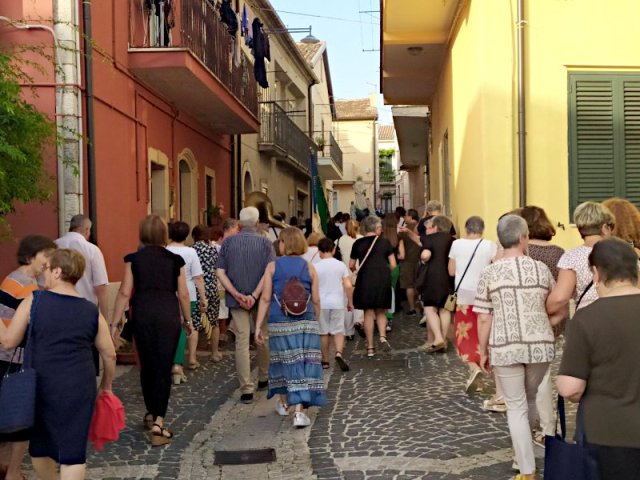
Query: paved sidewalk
(402, 415)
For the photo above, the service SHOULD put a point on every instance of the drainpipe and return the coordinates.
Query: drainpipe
(522, 131)
(237, 165)
(88, 75)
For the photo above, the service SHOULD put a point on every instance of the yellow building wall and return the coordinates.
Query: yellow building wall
(357, 139)
(476, 101)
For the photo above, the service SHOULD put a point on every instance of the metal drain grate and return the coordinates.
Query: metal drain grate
(244, 457)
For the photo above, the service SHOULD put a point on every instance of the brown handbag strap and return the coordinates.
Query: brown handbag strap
(367, 255)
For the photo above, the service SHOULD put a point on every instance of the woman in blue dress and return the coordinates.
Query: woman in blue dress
(295, 370)
(63, 329)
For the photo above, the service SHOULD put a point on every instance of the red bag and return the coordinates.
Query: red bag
(107, 420)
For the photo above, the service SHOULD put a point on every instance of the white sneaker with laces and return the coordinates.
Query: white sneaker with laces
(300, 420)
(282, 409)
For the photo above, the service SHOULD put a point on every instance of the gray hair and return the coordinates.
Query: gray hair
(248, 216)
(442, 223)
(511, 228)
(79, 222)
(370, 223)
(474, 225)
(434, 206)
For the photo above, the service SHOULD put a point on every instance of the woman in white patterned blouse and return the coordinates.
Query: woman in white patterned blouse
(515, 333)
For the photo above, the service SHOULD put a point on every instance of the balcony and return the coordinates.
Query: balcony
(191, 64)
(283, 139)
(330, 160)
(387, 176)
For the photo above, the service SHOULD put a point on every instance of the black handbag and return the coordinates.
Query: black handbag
(564, 460)
(18, 390)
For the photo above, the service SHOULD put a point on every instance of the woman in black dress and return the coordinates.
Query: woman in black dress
(439, 284)
(63, 329)
(154, 275)
(373, 285)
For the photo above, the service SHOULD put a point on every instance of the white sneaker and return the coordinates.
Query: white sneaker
(282, 409)
(300, 420)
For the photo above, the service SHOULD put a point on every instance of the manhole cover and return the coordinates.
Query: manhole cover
(244, 457)
(374, 364)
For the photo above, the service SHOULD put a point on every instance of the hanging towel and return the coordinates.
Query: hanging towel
(107, 420)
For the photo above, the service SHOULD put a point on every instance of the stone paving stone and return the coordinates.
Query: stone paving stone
(402, 415)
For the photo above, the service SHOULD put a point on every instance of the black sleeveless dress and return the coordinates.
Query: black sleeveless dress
(373, 285)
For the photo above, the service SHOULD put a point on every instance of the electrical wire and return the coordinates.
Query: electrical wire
(339, 19)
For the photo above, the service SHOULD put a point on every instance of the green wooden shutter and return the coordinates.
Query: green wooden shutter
(592, 143)
(631, 89)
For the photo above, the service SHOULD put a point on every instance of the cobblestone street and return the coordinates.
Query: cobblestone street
(402, 415)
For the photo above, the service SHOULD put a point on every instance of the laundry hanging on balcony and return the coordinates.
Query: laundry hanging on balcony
(261, 50)
(245, 26)
(161, 18)
(229, 17)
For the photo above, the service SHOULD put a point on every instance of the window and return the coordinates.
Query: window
(604, 136)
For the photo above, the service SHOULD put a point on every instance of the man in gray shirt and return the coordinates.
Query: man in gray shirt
(242, 261)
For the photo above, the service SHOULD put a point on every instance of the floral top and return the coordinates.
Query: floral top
(208, 260)
(514, 290)
(577, 259)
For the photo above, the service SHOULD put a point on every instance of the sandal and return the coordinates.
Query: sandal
(538, 438)
(325, 365)
(158, 439)
(148, 421)
(371, 352)
(494, 405)
(193, 365)
(344, 366)
(386, 346)
(216, 357)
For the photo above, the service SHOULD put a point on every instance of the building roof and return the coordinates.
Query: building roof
(309, 50)
(360, 109)
(386, 133)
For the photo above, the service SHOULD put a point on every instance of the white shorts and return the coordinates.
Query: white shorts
(332, 321)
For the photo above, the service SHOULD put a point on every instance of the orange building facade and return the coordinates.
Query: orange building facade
(167, 106)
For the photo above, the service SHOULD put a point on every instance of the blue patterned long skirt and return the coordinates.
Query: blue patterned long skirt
(295, 369)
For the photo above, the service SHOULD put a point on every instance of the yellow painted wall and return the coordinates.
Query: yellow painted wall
(357, 141)
(476, 100)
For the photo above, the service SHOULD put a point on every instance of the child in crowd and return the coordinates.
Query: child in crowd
(336, 295)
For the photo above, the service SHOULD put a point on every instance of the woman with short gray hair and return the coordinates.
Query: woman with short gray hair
(514, 332)
(372, 291)
(467, 257)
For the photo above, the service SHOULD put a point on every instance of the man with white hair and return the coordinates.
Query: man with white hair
(93, 284)
(242, 261)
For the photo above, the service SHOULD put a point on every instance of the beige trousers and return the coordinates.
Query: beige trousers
(242, 320)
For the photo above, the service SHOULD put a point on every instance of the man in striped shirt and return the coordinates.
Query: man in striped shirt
(242, 261)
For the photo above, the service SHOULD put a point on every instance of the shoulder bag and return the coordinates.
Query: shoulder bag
(452, 299)
(355, 274)
(564, 460)
(18, 390)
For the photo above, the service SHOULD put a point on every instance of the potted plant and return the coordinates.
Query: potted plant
(320, 143)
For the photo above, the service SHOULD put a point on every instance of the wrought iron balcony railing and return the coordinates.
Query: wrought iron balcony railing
(281, 135)
(194, 25)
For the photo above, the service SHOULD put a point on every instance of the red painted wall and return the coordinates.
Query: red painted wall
(128, 118)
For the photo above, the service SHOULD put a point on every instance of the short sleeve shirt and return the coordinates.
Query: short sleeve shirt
(577, 259)
(601, 347)
(192, 267)
(462, 252)
(514, 290)
(244, 258)
(95, 273)
(331, 273)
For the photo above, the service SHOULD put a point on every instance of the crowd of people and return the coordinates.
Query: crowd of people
(296, 295)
